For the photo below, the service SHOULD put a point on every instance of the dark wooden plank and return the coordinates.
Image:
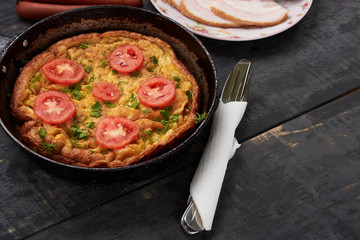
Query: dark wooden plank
(300, 180)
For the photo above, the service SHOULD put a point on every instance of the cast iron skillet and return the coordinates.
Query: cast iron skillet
(99, 19)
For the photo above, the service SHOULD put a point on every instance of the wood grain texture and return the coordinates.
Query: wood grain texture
(300, 180)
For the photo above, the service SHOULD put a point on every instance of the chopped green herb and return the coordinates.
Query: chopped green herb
(162, 131)
(97, 106)
(177, 85)
(188, 94)
(66, 90)
(74, 143)
(85, 118)
(103, 64)
(36, 78)
(166, 112)
(174, 118)
(89, 87)
(95, 114)
(91, 79)
(32, 85)
(134, 103)
(167, 121)
(176, 78)
(88, 69)
(114, 71)
(74, 91)
(90, 60)
(146, 111)
(154, 59)
(200, 117)
(83, 45)
(109, 104)
(96, 110)
(136, 74)
(77, 94)
(78, 133)
(91, 125)
(83, 135)
(122, 82)
(103, 152)
(48, 147)
(42, 132)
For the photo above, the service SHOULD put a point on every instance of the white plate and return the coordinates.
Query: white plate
(297, 10)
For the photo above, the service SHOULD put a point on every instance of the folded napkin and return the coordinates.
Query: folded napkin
(206, 185)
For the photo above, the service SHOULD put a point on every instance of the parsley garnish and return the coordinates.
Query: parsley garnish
(32, 85)
(42, 132)
(83, 45)
(91, 79)
(145, 112)
(188, 94)
(109, 104)
(168, 119)
(36, 78)
(176, 78)
(75, 91)
(166, 112)
(177, 85)
(154, 59)
(103, 64)
(79, 134)
(134, 103)
(74, 143)
(91, 125)
(114, 71)
(200, 117)
(48, 147)
(88, 69)
(96, 110)
(136, 74)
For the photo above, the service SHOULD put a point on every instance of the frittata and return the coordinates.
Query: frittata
(105, 100)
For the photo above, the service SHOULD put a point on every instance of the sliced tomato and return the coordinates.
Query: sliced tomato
(157, 92)
(54, 107)
(116, 132)
(63, 71)
(126, 59)
(106, 91)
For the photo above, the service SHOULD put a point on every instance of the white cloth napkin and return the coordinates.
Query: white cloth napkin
(206, 185)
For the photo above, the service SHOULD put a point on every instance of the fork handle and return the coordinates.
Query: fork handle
(206, 185)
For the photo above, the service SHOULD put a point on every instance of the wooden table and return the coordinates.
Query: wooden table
(296, 176)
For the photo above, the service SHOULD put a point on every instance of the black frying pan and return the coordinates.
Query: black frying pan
(100, 19)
